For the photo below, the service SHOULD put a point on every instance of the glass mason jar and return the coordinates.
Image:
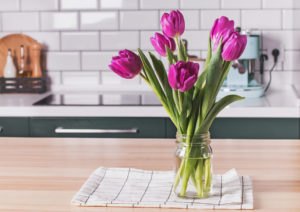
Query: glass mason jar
(193, 166)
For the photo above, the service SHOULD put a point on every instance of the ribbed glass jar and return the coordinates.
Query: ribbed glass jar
(193, 165)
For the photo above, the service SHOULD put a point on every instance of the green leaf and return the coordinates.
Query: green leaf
(163, 78)
(209, 52)
(218, 106)
(184, 53)
(171, 57)
(159, 69)
(201, 80)
(227, 66)
(214, 72)
(155, 85)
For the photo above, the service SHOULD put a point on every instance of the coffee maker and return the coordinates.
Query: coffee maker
(241, 77)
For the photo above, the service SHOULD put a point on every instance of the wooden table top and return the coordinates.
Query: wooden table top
(43, 174)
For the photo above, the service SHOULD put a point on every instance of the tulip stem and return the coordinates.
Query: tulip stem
(180, 100)
(144, 77)
(179, 52)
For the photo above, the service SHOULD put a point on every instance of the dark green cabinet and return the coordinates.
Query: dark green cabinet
(14, 127)
(145, 127)
(256, 128)
(251, 128)
(121, 127)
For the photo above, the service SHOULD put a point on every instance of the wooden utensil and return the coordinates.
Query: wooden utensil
(31, 53)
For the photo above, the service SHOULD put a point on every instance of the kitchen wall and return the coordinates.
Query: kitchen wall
(80, 36)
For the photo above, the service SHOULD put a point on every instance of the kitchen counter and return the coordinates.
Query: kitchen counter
(43, 174)
(280, 102)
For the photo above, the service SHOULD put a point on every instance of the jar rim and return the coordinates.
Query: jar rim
(199, 134)
(198, 139)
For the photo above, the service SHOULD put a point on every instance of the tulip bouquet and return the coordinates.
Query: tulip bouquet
(188, 98)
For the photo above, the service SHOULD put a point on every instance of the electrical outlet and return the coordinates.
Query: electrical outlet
(281, 53)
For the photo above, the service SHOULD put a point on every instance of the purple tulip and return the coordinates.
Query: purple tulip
(160, 42)
(172, 24)
(222, 27)
(127, 64)
(183, 75)
(234, 46)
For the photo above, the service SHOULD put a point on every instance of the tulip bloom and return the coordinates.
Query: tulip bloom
(172, 24)
(222, 28)
(160, 42)
(127, 64)
(234, 46)
(183, 75)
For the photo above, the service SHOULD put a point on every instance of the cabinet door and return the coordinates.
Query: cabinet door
(256, 128)
(98, 127)
(14, 127)
(249, 128)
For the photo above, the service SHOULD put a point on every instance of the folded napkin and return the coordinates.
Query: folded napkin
(130, 187)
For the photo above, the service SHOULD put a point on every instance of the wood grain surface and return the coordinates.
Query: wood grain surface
(43, 174)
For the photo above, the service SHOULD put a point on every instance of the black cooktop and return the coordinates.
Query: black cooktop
(99, 100)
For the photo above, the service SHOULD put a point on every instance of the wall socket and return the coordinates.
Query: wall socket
(281, 54)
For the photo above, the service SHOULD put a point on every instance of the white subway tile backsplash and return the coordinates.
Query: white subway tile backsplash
(54, 77)
(117, 99)
(78, 4)
(150, 99)
(159, 4)
(209, 16)
(49, 40)
(292, 61)
(111, 78)
(288, 39)
(80, 78)
(97, 60)
(119, 40)
(279, 4)
(63, 61)
(291, 19)
(80, 41)
(99, 20)
(258, 19)
(9, 5)
(145, 40)
(17, 21)
(119, 4)
(139, 20)
(40, 5)
(59, 21)
(192, 19)
(199, 4)
(238, 4)
(196, 39)
(79, 37)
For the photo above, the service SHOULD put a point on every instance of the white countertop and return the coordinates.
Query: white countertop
(279, 102)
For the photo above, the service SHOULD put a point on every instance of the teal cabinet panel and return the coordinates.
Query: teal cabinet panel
(86, 127)
(14, 127)
(170, 128)
(250, 128)
(256, 128)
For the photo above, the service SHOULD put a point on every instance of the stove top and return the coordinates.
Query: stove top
(107, 99)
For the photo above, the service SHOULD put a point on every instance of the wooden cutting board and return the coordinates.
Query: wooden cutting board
(31, 52)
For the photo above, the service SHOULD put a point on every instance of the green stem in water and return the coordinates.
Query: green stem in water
(208, 176)
(199, 177)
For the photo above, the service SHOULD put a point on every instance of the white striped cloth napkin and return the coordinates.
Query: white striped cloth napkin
(130, 187)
